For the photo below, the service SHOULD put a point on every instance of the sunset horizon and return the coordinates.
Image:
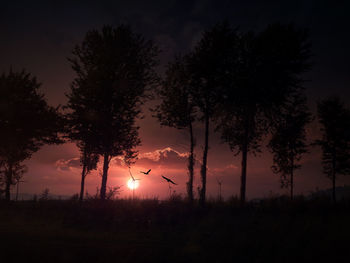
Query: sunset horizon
(174, 131)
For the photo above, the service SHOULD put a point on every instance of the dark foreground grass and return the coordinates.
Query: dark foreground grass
(154, 231)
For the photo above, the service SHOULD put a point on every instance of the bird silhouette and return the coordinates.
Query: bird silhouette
(146, 172)
(168, 180)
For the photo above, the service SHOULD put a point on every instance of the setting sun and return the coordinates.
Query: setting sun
(133, 184)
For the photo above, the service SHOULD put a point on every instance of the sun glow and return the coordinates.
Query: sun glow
(133, 184)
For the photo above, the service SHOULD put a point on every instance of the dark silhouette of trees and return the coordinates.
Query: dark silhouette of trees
(207, 64)
(177, 108)
(114, 69)
(2, 183)
(17, 172)
(263, 73)
(334, 118)
(26, 123)
(79, 130)
(2, 178)
(89, 161)
(288, 142)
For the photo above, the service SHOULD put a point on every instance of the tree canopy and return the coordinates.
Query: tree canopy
(265, 70)
(114, 69)
(334, 118)
(208, 65)
(177, 108)
(26, 122)
(288, 142)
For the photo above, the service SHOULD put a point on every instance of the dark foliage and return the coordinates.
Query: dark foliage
(207, 64)
(265, 70)
(177, 108)
(288, 142)
(334, 118)
(26, 123)
(114, 68)
(89, 160)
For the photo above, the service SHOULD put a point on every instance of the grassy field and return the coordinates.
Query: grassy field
(274, 230)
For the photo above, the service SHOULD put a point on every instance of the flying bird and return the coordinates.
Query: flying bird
(168, 180)
(146, 172)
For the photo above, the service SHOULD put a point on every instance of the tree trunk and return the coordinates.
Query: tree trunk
(244, 160)
(104, 176)
(244, 172)
(333, 179)
(204, 164)
(82, 184)
(8, 183)
(191, 166)
(292, 180)
(333, 191)
(17, 190)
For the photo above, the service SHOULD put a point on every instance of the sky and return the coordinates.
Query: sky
(40, 35)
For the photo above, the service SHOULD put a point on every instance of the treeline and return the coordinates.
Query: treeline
(248, 85)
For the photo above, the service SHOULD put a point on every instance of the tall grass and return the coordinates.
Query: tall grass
(153, 230)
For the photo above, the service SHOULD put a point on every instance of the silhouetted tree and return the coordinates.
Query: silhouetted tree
(89, 161)
(26, 123)
(114, 67)
(334, 118)
(79, 130)
(207, 65)
(2, 178)
(288, 142)
(177, 108)
(262, 74)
